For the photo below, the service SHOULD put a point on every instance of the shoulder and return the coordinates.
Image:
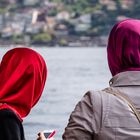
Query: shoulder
(97, 101)
(90, 101)
(10, 126)
(93, 97)
(7, 115)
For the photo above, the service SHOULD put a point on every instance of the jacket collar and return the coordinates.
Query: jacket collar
(128, 78)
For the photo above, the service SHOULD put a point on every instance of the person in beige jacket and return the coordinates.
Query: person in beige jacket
(113, 113)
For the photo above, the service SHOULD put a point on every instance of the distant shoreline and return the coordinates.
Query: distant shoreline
(82, 42)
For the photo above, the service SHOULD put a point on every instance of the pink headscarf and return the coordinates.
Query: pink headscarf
(124, 47)
(23, 74)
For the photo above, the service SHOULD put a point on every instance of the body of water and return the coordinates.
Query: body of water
(71, 73)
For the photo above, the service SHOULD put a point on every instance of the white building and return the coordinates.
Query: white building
(64, 15)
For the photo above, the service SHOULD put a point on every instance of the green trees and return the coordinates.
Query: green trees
(42, 37)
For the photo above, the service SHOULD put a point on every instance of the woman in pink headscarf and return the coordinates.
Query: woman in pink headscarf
(113, 113)
(23, 74)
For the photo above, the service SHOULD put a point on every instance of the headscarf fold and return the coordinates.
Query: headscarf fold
(124, 47)
(22, 78)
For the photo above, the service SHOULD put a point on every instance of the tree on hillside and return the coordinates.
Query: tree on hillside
(20, 2)
(70, 1)
(3, 3)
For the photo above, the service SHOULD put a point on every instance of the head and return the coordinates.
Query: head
(23, 74)
(124, 47)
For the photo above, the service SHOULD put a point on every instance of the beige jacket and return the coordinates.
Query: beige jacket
(103, 116)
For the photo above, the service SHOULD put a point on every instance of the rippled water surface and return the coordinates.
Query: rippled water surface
(71, 73)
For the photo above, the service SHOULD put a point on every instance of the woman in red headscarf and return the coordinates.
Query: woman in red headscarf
(22, 78)
(113, 113)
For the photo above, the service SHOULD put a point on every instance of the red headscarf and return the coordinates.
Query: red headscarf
(124, 47)
(22, 79)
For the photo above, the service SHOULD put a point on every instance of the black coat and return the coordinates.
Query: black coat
(11, 127)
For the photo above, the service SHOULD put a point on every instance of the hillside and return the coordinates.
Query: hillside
(63, 21)
(104, 13)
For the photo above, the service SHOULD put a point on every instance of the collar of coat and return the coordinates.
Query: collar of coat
(128, 78)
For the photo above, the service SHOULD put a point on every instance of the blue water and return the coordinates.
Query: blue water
(71, 73)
